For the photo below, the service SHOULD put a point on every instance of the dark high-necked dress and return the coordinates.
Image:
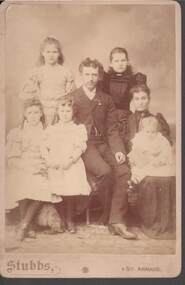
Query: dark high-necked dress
(118, 87)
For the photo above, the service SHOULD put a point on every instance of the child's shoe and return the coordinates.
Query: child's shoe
(71, 227)
(31, 234)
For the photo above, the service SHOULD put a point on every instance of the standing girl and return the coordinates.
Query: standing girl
(120, 78)
(118, 81)
(51, 80)
(27, 184)
(65, 143)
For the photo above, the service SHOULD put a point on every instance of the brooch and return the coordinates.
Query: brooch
(99, 102)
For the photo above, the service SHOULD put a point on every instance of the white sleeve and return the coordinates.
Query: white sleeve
(13, 146)
(31, 86)
(166, 155)
(70, 84)
(82, 137)
(80, 144)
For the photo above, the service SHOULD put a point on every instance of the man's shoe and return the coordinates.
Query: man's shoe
(121, 229)
(112, 230)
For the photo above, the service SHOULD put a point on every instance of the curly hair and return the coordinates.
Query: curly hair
(33, 102)
(140, 88)
(88, 62)
(66, 100)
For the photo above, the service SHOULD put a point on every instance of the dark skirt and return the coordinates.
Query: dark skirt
(157, 207)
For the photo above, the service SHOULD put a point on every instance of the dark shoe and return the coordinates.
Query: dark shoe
(49, 232)
(71, 228)
(58, 229)
(112, 230)
(31, 234)
(121, 229)
(53, 231)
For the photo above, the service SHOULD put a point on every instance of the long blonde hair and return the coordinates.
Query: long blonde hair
(56, 43)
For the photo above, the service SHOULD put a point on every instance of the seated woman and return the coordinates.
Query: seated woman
(140, 96)
(153, 170)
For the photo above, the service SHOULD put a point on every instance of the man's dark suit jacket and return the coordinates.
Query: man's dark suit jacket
(100, 111)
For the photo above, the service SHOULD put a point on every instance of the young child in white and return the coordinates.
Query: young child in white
(151, 153)
(65, 143)
(26, 179)
(51, 80)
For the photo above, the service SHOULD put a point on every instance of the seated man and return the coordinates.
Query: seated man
(105, 154)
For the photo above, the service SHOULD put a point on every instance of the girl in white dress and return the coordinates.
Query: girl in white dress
(51, 80)
(151, 153)
(26, 179)
(65, 143)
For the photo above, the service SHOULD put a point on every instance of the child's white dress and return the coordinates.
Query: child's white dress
(27, 177)
(48, 84)
(65, 141)
(151, 157)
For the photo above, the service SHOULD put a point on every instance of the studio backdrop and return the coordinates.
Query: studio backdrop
(146, 31)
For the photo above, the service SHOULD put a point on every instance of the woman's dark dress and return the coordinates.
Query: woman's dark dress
(157, 207)
(156, 195)
(156, 199)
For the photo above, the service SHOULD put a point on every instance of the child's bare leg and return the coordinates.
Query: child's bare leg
(70, 202)
(23, 206)
(30, 213)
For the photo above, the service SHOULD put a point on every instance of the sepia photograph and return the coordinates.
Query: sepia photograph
(90, 121)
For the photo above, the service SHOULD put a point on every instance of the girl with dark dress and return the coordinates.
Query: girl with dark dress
(118, 81)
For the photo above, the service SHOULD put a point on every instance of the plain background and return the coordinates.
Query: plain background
(146, 31)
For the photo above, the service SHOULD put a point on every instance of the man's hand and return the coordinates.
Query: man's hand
(120, 157)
